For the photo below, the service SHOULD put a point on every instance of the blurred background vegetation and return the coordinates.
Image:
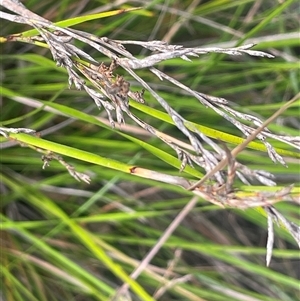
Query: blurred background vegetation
(56, 231)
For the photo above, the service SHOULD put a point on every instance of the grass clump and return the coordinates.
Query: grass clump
(170, 190)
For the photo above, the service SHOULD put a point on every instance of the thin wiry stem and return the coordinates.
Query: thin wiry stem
(168, 232)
